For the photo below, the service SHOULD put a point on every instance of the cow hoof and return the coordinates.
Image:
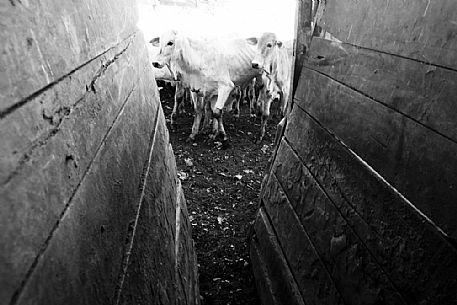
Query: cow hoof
(190, 139)
(217, 113)
(225, 144)
(221, 137)
(205, 131)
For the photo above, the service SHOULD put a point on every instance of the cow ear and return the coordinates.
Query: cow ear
(155, 41)
(279, 44)
(252, 41)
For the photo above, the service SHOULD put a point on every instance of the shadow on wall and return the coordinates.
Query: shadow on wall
(84, 143)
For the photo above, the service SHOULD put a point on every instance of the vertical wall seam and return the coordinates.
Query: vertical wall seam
(178, 218)
(131, 237)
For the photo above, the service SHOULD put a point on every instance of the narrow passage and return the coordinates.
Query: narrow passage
(222, 189)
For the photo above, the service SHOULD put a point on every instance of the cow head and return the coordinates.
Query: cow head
(166, 43)
(266, 46)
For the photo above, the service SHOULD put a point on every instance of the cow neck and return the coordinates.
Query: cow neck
(189, 59)
(280, 66)
(238, 58)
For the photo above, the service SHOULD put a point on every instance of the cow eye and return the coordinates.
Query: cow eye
(170, 43)
(269, 45)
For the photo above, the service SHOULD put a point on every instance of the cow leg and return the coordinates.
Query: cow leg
(284, 101)
(280, 110)
(180, 93)
(221, 130)
(265, 110)
(185, 99)
(236, 107)
(213, 135)
(261, 100)
(276, 113)
(238, 101)
(232, 104)
(248, 95)
(252, 100)
(214, 121)
(244, 96)
(198, 107)
(218, 126)
(208, 117)
(174, 113)
(181, 108)
(259, 94)
(223, 93)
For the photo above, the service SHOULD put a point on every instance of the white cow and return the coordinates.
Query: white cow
(275, 61)
(211, 68)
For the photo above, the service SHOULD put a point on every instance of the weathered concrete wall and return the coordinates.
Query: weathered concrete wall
(91, 211)
(360, 203)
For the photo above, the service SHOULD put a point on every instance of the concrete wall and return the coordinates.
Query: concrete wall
(360, 203)
(91, 211)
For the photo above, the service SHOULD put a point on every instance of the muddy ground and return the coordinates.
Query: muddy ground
(222, 187)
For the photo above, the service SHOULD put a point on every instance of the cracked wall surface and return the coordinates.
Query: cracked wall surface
(88, 185)
(360, 202)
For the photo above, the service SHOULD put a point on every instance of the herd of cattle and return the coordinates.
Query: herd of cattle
(220, 73)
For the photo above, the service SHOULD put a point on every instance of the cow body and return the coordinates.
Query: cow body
(274, 60)
(210, 68)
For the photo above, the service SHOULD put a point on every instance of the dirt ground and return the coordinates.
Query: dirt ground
(222, 187)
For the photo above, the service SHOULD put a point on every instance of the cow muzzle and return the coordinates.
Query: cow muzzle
(255, 65)
(274, 95)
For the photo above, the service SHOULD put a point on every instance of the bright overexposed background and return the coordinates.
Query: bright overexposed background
(222, 18)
